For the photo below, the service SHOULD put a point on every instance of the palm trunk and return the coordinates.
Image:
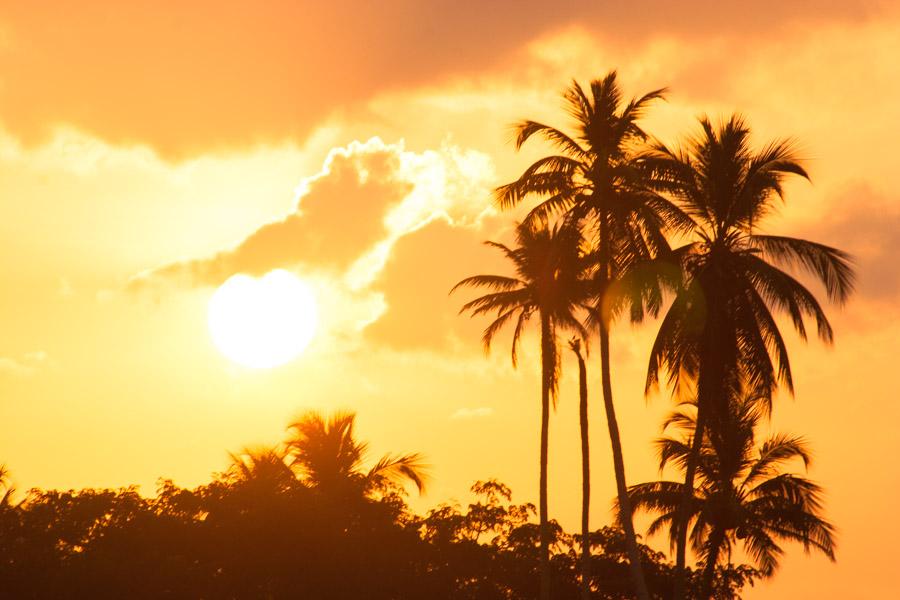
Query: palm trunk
(634, 555)
(684, 510)
(548, 366)
(709, 570)
(585, 476)
(710, 388)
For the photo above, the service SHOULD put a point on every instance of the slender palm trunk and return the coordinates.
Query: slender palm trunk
(709, 570)
(548, 366)
(710, 389)
(634, 555)
(585, 476)
(684, 510)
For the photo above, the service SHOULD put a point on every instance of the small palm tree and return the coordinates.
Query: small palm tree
(596, 179)
(742, 494)
(262, 466)
(7, 487)
(329, 458)
(733, 279)
(549, 284)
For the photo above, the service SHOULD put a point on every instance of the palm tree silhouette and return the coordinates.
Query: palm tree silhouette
(264, 467)
(732, 279)
(595, 179)
(330, 459)
(7, 487)
(549, 283)
(575, 345)
(742, 495)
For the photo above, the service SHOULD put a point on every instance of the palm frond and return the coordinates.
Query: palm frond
(833, 267)
(398, 469)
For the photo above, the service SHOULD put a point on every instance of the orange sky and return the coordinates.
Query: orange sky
(146, 155)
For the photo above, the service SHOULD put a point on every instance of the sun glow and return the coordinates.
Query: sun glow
(262, 323)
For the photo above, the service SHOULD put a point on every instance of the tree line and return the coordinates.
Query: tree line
(309, 518)
(621, 225)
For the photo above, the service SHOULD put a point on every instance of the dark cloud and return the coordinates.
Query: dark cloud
(196, 75)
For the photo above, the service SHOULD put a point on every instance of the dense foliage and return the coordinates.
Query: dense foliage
(253, 533)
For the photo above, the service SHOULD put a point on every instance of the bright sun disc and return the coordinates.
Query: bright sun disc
(262, 323)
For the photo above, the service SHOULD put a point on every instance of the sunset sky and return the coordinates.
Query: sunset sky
(147, 155)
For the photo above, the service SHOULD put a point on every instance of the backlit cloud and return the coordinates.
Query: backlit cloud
(349, 215)
(472, 413)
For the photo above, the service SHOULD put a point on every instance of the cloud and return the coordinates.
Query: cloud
(25, 366)
(202, 74)
(472, 413)
(419, 311)
(348, 222)
(348, 216)
(866, 223)
(65, 287)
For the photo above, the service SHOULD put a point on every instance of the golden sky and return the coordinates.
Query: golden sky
(146, 155)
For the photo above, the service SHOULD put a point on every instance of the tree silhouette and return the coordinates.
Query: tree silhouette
(7, 487)
(742, 495)
(549, 283)
(257, 531)
(329, 458)
(595, 180)
(721, 321)
(263, 467)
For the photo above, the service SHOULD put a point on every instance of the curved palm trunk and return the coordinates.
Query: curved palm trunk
(634, 555)
(709, 570)
(585, 476)
(548, 366)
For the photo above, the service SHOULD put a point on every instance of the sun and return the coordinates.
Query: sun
(264, 322)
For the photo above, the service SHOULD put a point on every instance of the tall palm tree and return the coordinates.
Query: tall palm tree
(595, 179)
(548, 284)
(742, 495)
(330, 458)
(575, 345)
(732, 279)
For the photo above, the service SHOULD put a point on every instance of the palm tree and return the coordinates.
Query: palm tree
(733, 279)
(575, 345)
(742, 494)
(548, 284)
(330, 459)
(264, 467)
(7, 487)
(595, 179)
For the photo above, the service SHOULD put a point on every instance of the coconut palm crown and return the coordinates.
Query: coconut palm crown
(549, 284)
(743, 494)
